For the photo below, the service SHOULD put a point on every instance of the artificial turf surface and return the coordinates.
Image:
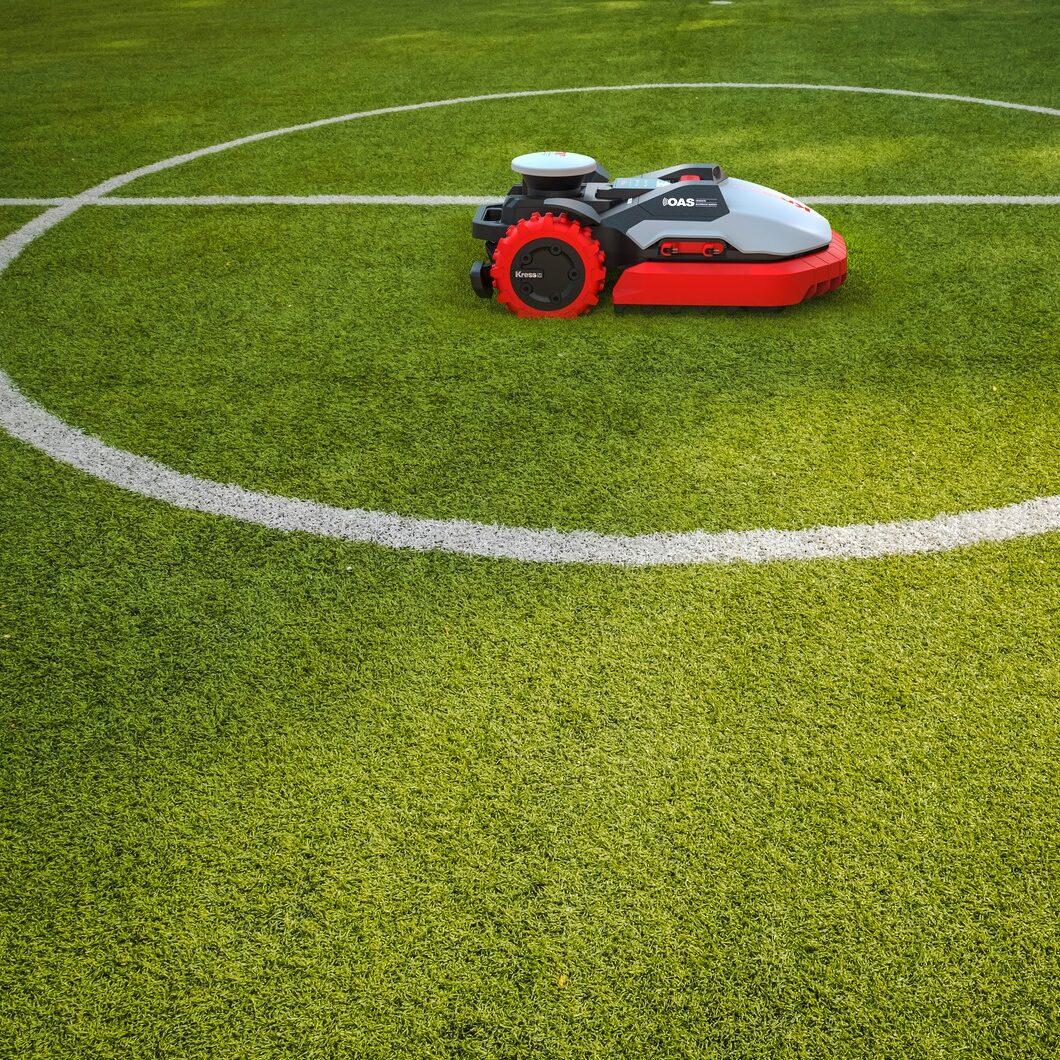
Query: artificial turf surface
(270, 795)
(924, 385)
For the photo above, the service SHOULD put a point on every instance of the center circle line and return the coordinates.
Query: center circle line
(27, 421)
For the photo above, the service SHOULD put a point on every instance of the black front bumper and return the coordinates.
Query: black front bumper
(487, 224)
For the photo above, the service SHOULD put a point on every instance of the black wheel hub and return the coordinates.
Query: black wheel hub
(547, 274)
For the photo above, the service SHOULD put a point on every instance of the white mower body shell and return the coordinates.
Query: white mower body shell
(759, 221)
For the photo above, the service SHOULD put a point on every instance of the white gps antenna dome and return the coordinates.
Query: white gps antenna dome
(553, 164)
(548, 172)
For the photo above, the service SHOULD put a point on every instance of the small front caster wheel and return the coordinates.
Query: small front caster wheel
(482, 279)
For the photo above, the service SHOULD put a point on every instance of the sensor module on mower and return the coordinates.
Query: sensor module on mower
(688, 235)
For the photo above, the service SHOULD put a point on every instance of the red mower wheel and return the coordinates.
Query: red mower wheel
(548, 266)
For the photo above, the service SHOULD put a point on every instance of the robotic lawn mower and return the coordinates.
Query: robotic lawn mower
(687, 235)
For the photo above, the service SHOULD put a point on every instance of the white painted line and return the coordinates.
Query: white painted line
(37, 427)
(296, 200)
(932, 200)
(13, 245)
(26, 420)
(479, 200)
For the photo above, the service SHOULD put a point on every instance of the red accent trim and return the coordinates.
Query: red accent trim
(687, 176)
(704, 250)
(548, 226)
(736, 283)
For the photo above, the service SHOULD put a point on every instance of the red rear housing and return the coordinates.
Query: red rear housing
(736, 283)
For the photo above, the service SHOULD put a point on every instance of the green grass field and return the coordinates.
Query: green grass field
(281, 795)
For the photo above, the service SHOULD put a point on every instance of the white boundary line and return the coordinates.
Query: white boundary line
(479, 200)
(26, 420)
(300, 200)
(933, 200)
(32, 424)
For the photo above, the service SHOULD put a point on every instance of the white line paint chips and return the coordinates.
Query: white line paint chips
(26, 420)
